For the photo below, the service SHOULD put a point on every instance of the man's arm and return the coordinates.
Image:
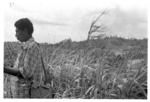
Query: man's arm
(30, 62)
(13, 71)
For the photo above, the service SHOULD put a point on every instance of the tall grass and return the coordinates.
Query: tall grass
(96, 72)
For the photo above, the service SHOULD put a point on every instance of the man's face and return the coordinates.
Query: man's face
(22, 35)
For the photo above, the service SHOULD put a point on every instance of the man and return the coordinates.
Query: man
(28, 65)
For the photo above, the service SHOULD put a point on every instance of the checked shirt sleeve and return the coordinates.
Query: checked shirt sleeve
(30, 62)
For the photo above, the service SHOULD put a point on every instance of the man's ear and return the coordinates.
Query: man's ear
(26, 31)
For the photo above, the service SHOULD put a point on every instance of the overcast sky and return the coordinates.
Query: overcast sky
(56, 20)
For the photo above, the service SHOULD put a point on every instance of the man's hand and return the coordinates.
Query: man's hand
(12, 71)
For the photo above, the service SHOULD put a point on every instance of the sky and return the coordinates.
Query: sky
(56, 20)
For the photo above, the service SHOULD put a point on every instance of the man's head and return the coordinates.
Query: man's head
(24, 29)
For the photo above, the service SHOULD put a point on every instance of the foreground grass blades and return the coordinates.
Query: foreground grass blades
(96, 70)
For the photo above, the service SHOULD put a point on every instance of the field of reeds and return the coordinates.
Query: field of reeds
(109, 68)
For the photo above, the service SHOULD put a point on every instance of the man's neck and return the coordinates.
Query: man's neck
(28, 43)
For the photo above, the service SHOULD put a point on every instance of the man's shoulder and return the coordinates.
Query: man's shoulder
(34, 49)
(34, 45)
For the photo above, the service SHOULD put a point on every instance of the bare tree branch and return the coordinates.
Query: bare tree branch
(94, 27)
(101, 14)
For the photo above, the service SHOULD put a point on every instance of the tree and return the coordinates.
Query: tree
(97, 27)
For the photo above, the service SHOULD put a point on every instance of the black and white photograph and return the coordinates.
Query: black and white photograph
(75, 49)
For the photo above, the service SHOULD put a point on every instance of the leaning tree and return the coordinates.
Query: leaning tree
(97, 25)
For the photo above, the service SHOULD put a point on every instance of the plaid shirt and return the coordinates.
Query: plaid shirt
(29, 64)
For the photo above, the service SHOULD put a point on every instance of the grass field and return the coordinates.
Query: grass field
(109, 68)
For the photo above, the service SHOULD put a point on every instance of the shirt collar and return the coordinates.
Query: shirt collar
(28, 43)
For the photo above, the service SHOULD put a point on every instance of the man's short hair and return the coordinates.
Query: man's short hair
(24, 23)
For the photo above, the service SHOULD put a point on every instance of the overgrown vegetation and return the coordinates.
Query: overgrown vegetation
(109, 68)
